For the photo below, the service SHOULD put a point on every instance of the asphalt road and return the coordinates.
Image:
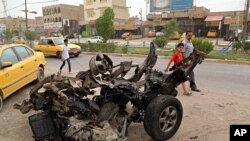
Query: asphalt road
(210, 77)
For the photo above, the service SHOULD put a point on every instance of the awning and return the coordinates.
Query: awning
(213, 18)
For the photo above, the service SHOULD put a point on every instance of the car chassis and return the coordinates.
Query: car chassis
(67, 113)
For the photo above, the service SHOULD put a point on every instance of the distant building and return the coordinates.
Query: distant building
(63, 18)
(93, 9)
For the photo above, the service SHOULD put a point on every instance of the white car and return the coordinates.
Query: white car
(159, 34)
(95, 39)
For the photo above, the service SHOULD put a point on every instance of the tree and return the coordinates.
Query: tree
(31, 36)
(7, 34)
(104, 24)
(170, 28)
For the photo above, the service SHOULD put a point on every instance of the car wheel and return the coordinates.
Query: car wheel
(40, 75)
(1, 102)
(58, 54)
(163, 117)
(76, 55)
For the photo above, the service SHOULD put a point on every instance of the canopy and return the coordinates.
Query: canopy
(213, 18)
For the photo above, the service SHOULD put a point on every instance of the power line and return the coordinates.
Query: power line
(12, 8)
(41, 2)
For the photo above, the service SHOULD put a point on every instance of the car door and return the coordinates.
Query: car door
(28, 61)
(52, 48)
(42, 45)
(12, 77)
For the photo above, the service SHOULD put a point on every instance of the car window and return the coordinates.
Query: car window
(43, 42)
(29, 51)
(9, 55)
(22, 52)
(50, 42)
(59, 41)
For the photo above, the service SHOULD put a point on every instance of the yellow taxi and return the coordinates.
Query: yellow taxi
(18, 40)
(19, 65)
(176, 36)
(183, 37)
(53, 46)
(151, 33)
(212, 34)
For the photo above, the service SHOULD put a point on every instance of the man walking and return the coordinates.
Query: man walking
(65, 56)
(188, 49)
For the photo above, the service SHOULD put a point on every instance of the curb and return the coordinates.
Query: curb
(241, 62)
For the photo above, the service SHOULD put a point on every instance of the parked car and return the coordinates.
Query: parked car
(159, 34)
(176, 36)
(19, 66)
(212, 34)
(18, 40)
(183, 37)
(95, 39)
(55, 34)
(151, 33)
(53, 46)
(127, 36)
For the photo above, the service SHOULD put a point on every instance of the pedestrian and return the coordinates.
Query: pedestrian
(176, 58)
(188, 49)
(65, 56)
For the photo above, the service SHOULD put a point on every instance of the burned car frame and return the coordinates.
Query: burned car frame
(68, 113)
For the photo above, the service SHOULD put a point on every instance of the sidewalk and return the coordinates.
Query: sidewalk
(206, 117)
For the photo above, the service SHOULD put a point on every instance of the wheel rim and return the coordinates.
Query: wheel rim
(168, 119)
(40, 75)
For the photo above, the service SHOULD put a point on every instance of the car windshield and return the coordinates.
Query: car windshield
(58, 41)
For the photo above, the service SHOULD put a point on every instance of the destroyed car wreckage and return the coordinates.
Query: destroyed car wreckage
(67, 113)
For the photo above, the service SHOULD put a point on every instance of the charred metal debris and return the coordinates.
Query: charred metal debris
(70, 110)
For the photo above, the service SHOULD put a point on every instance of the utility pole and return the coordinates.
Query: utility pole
(245, 20)
(26, 17)
(141, 21)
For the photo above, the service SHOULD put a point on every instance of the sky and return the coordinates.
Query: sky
(136, 5)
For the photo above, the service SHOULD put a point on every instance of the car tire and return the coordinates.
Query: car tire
(40, 75)
(163, 117)
(76, 55)
(1, 102)
(58, 54)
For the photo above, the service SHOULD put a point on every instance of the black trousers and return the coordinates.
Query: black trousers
(192, 81)
(63, 64)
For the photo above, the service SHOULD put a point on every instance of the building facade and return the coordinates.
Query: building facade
(63, 18)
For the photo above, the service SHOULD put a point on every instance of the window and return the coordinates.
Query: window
(9, 55)
(22, 52)
(90, 13)
(89, 2)
(60, 19)
(59, 10)
(43, 42)
(30, 52)
(103, 1)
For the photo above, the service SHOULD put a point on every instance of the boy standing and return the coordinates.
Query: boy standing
(176, 58)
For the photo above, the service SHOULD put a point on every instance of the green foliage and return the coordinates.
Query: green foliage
(104, 24)
(7, 34)
(203, 45)
(161, 42)
(103, 47)
(30, 35)
(84, 46)
(170, 28)
(247, 46)
(125, 49)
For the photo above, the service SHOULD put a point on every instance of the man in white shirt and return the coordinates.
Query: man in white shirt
(188, 49)
(65, 56)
